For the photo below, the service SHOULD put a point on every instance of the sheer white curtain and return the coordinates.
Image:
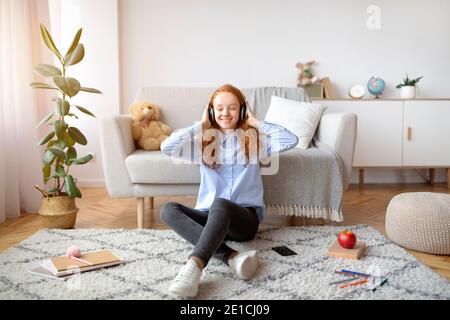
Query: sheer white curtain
(21, 107)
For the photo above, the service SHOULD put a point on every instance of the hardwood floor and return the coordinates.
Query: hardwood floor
(365, 205)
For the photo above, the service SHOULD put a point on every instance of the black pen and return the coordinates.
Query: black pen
(382, 282)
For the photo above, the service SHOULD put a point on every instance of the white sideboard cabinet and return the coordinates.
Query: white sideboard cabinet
(395, 133)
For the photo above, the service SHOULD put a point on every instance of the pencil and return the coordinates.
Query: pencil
(356, 273)
(345, 273)
(353, 284)
(81, 260)
(342, 281)
(359, 273)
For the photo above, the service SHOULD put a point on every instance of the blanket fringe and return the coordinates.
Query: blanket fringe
(310, 212)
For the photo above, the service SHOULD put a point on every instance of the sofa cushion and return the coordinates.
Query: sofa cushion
(300, 117)
(156, 167)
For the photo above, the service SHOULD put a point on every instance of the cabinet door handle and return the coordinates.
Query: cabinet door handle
(409, 133)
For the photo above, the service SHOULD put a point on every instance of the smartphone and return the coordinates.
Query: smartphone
(284, 251)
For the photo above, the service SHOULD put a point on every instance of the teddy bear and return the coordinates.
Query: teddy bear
(306, 77)
(148, 131)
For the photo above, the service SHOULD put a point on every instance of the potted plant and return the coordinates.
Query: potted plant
(408, 87)
(58, 208)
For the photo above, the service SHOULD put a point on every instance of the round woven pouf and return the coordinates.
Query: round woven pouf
(420, 221)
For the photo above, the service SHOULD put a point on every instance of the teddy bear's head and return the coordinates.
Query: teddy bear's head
(144, 110)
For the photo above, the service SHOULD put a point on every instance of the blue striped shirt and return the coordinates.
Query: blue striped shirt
(233, 180)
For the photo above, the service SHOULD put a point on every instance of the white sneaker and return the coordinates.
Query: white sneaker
(186, 282)
(245, 264)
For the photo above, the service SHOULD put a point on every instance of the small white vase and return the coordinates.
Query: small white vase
(408, 92)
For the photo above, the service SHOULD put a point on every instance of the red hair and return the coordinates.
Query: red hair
(239, 125)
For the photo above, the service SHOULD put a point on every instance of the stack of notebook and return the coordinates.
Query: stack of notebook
(63, 267)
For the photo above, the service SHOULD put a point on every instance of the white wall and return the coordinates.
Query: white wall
(253, 43)
(257, 43)
(99, 69)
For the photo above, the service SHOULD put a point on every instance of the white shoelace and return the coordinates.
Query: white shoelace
(187, 273)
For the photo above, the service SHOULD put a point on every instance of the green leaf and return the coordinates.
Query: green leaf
(42, 85)
(49, 41)
(82, 160)
(60, 171)
(47, 70)
(50, 115)
(84, 110)
(46, 170)
(71, 187)
(62, 107)
(53, 190)
(70, 86)
(71, 154)
(76, 56)
(60, 129)
(91, 90)
(76, 135)
(49, 157)
(68, 140)
(46, 139)
(60, 144)
(58, 152)
(74, 44)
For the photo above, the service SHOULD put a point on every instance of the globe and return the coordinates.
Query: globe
(376, 86)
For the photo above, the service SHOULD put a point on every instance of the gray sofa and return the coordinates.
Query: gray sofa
(130, 172)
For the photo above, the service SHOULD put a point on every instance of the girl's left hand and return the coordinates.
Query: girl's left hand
(251, 119)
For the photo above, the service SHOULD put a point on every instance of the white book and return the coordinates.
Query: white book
(44, 272)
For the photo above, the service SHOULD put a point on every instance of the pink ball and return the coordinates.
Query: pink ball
(73, 251)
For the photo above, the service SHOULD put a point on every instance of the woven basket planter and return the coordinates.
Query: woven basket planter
(58, 212)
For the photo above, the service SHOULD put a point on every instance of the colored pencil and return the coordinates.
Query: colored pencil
(354, 284)
(342, 281)
(344, 273)
(81, 260)
(359, 273)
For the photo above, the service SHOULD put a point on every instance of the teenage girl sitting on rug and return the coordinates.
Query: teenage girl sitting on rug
(230, 202)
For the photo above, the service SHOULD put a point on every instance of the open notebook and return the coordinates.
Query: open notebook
(62, 266)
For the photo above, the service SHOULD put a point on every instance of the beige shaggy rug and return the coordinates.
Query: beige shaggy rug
(155, 256)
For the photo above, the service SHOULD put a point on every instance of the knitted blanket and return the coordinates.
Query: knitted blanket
(309, 182)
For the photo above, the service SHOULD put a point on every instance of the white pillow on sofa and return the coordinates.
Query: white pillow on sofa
(301, 118)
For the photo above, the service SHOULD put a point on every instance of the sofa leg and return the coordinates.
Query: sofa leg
(140, 212)
(448, 178)
(151, 205)
(432, 176)
(361, 178)
(151, 200)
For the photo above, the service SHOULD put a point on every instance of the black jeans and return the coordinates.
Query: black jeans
(225, 220)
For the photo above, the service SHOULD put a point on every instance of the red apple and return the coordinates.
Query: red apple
(347, 239)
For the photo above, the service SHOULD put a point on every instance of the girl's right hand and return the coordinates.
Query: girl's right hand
(206, 124)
